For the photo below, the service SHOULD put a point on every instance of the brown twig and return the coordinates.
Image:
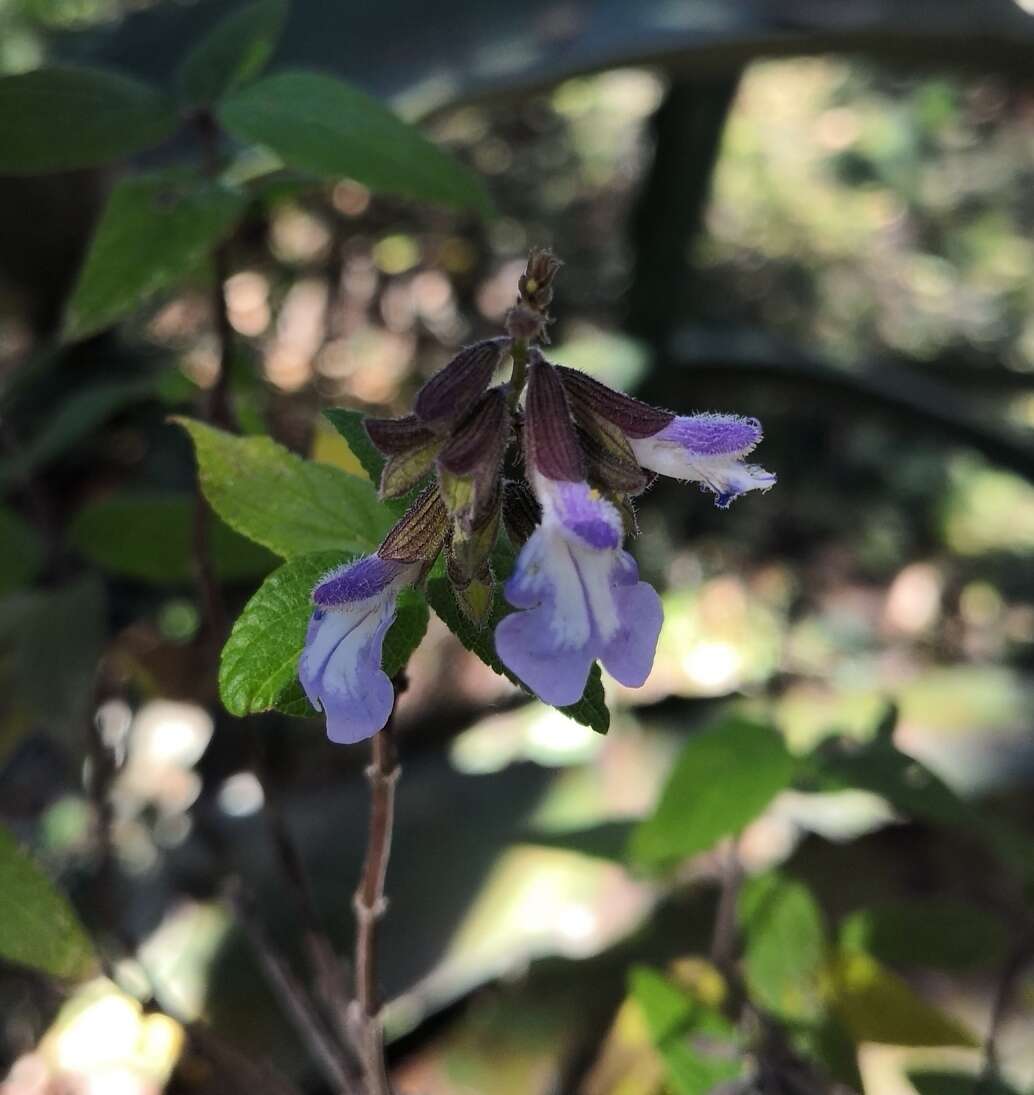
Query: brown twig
(723, 939)
(298, 1007)
(370, 905)
(1015, 963)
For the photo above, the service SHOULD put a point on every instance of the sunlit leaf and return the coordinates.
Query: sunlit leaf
(289, 505)
(321, 124)
(157, 230)
(38, 927)
(349, 424)
(877, 1005)
(958, 1083)
(785, 947)
(697, 1044)
(724, 778)
(233, 52)
(61, 118)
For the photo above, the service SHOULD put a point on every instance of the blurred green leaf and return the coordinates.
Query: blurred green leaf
(590, 710)
(607, 840)
(157, 230)
(149, 537)
(49, 665)
(21, 552)
(878, 1006)
(259, 663)
(234, 52)
(940, 933)
(62, 118)
(957, 1083)
(320, 124)
(74, 419)
(289, 505)
(724, 778)
(38, 927)
(695, 1065)
(785, 947)
(349, 424)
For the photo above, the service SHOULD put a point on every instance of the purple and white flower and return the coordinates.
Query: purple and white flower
(578, 592)
(708, 449)
(340, 667)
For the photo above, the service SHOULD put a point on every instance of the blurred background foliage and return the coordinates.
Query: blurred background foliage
(820, 214)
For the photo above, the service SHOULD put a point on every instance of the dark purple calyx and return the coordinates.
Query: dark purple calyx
(450, 393)
(550, 439)
(393, 436)
(521, 511)
(633, 417)
(420, 532)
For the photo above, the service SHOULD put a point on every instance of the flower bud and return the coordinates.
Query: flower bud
(450, 393)
(536, 283)
(476, 597)
(633, 417)
(550, 441)
(392, 436)
(521, 511)
(469, 551)
(470, 464)
(420, 532)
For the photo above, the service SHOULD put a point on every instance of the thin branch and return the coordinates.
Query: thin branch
(1016, 962)
(370, 905)
(296, 1003)
(723, 940)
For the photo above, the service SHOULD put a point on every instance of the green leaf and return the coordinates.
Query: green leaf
(958, 1083)
(149, 537)
(878, 1006)
(723, 779)
(63, 118)
(697, 1044)
(319, 124)
(941, 933)
(590, 710)
(289, 505)
(233, 52)
(21, 552)
(157, 230)
(52, 665)
(38, 926)
(259, 664)
(607, 840)
(785, 947)
(74, 419)
(349, 424)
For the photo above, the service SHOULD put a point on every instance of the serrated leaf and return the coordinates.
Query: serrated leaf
(590, 710)
(21, 552)
(697, 1044)
(156, 230)
(67, 117)
(149, 537)
(323, 125)
(878, 1006)
(289, 505)
(232, 53)
(723, 779)
(941, 933)
(349, 424)
(259, 664)
(38, 927)
(785, 947)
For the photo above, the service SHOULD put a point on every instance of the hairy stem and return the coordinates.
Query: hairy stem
(370, 906)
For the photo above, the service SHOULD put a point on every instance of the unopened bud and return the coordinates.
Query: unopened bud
(450, 393)
(470, 464)
(392, 436)
(550, 441)
(536, 283)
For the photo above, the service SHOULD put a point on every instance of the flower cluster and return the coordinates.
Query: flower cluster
(558, 472)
